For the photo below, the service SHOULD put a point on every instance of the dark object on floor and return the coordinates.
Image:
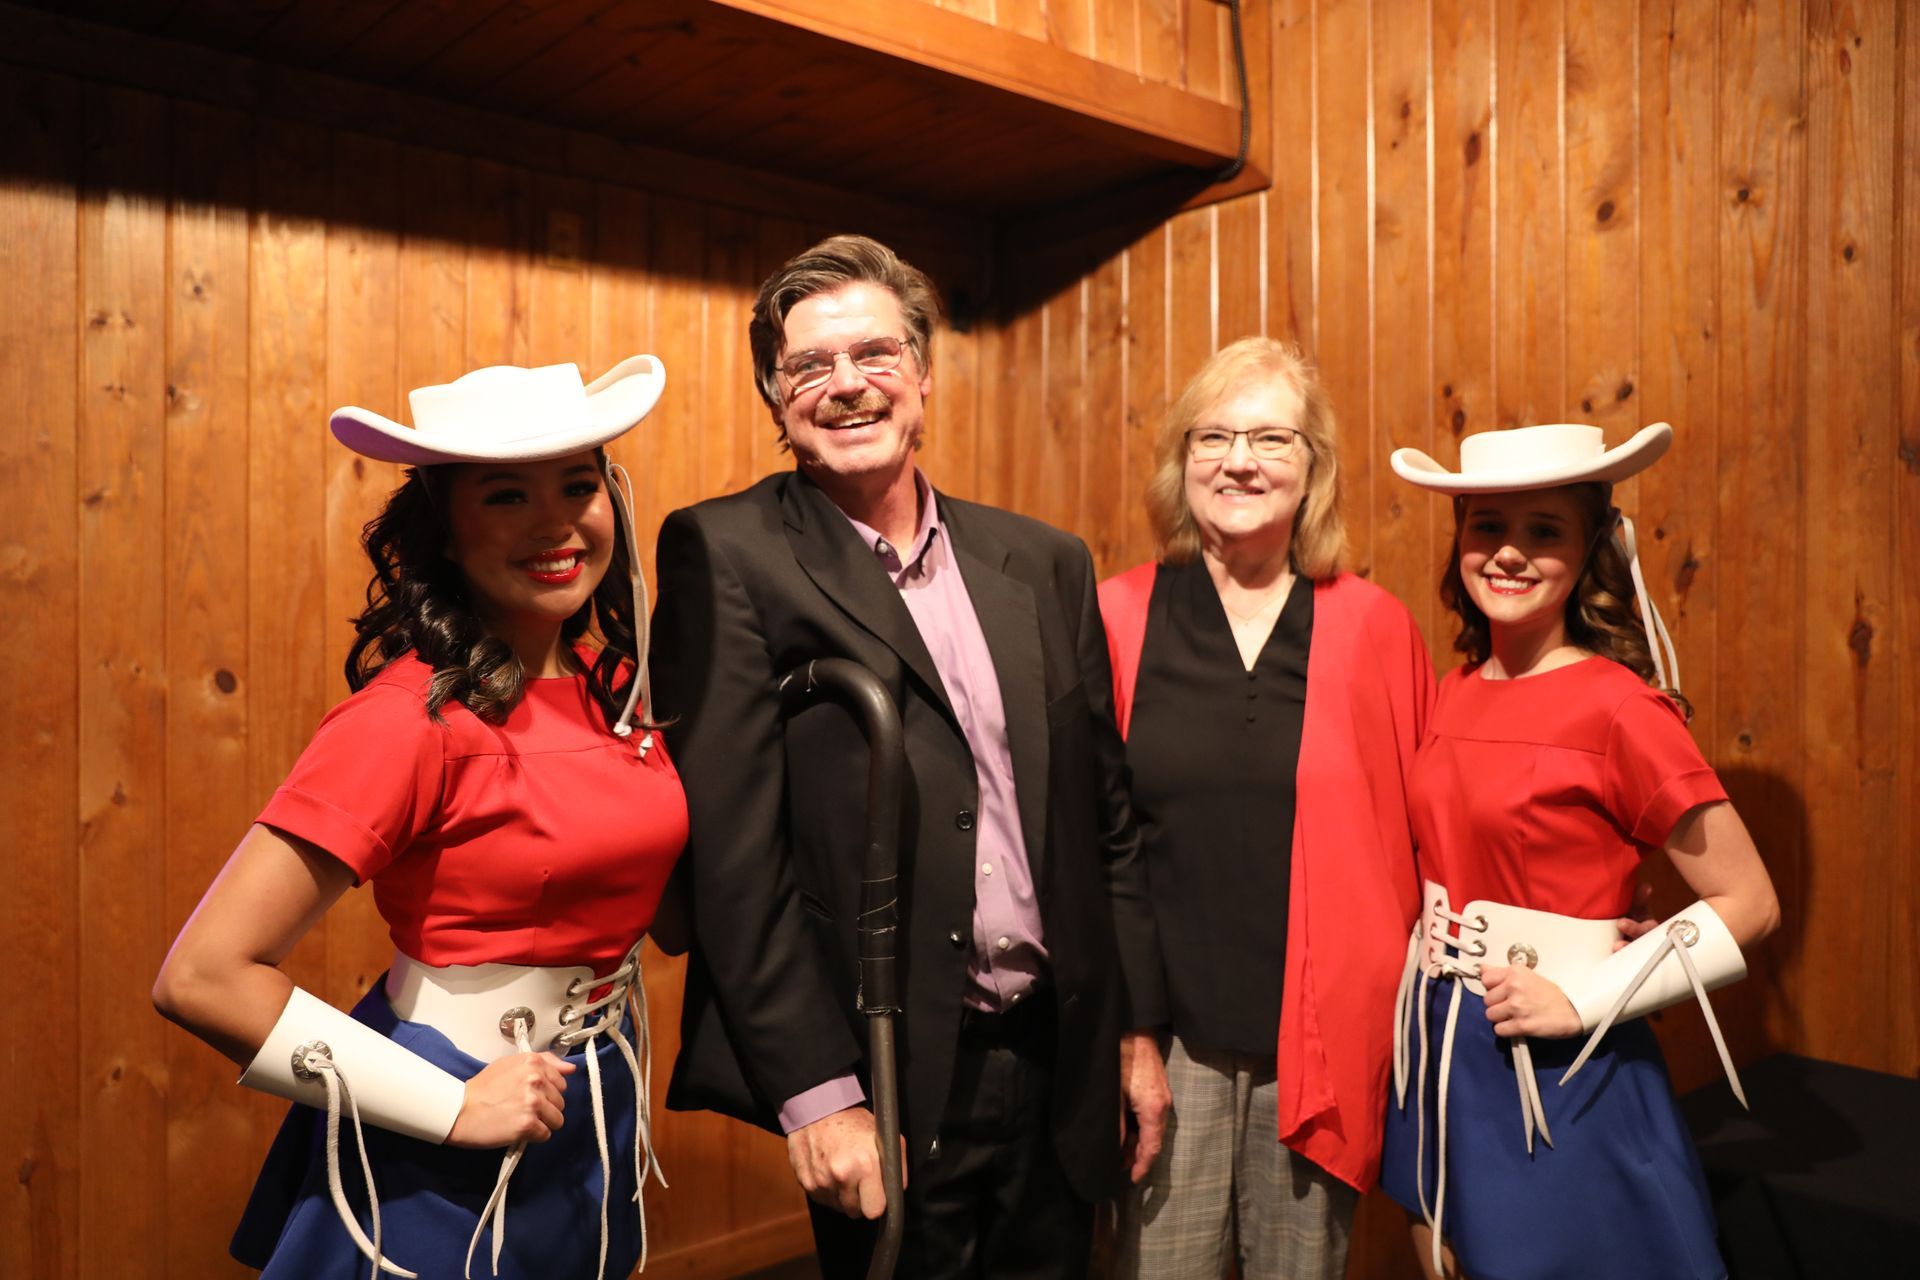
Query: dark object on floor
(1822, 1178)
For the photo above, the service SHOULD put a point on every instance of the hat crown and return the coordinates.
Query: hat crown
(1530, 448)
(503, 402)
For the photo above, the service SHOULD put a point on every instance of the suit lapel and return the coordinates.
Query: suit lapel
(1005, 607)
(841, 565)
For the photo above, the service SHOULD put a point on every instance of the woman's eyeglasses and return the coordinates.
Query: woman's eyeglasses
(1210, 444)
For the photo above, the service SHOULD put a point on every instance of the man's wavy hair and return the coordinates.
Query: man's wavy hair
(1602, 617)
(1319, 532)
(827, 267)
(417, 601)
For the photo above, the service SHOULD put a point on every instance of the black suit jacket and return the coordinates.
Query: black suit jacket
(755, 584)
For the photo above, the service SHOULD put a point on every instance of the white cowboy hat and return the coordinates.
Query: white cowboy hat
(504, 413)
(1534, 458)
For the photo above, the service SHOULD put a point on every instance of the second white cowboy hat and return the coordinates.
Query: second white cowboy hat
(504, 413)
(1534, 458)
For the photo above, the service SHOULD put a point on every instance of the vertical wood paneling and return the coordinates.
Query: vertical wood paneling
(1850, 720)
(40, 1210)
(1149, 387)
(363, 304)
(1193, 331)
(732, 409)
(1756, 740)
(1161, 51)
(208, 797)
(1047, 484)
(1603, 221)
(680, 312)
(1903, 876)
(622, 325)
(294, 677)
(431, 321)
(1529, 214)
(1104, 498)
(500, 265)
(1237, 258)
(952, 415)
(1343, 163)
(1403, 556)
(1680, 212)
(122, 703)
(1290, 206)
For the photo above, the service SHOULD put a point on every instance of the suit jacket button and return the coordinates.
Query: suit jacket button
(964, 819)
(955, 938)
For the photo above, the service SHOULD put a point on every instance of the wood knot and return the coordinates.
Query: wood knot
(1684, 575)
(114, 1075)
(1846, 63)
(1446, 392)
(1406, 108)
(1605, 212)
(1745, 741)
(225, 681)
(1459, 420)
(1586, 406)
(1847, 252)
(1860, 640)
(1624, 390)
(1472, 149)
(360, 466)
(1910, 455)
(119, 795)
(27, 1166)
(1743, 195)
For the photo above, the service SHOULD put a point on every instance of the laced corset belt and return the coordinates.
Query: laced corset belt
(492, 1010)
(1450, 946)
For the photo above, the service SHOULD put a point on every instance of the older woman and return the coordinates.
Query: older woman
(1271, 705)
(495, 779)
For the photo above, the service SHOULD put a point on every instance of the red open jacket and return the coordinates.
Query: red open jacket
(1355, 890)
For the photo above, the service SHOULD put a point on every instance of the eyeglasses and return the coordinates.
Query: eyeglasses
(805, 370)
(1210, 444)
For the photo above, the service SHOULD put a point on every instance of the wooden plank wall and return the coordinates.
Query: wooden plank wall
(190, 290)
(1484, 213)
(1488, 213)
(1188, 43)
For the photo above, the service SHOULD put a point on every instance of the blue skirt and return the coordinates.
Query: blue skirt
(1620, 1192)
(431, 1196)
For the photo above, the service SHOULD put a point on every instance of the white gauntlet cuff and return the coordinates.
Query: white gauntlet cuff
(1687, 956)
(394, 1087)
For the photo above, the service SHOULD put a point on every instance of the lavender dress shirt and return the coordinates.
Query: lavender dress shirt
(1009, 954)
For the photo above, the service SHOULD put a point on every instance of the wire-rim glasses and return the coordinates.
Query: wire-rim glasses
(805, 370)
(1210, 444)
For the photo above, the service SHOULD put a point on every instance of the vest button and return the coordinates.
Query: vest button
(964, 819)
(955, 938)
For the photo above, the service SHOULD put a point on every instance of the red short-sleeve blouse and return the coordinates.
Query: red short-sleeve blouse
(544, 840)
(1543, 792)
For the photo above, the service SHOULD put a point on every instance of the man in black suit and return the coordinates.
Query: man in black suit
(1029, 962)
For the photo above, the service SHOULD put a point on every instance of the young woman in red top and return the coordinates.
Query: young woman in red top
(1554, 760)
(495, 778)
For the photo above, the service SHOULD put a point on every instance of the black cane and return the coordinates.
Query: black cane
(879, 925)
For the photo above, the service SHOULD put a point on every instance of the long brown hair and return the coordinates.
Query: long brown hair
(417, 601)
(1601, 614)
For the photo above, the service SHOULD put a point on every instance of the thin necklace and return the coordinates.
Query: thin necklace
(1277, 594)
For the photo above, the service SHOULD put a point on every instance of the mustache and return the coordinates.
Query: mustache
(867, 402)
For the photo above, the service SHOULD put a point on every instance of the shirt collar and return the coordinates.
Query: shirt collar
(888, 555)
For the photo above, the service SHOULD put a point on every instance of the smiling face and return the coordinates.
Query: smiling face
(855, 426)
(532, 539)
(1242, 495)
(1521, 555)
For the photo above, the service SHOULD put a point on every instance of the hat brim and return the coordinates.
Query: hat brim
(1612, 466)
(616, 402)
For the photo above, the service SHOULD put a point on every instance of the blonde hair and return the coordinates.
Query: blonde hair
(1319, 533)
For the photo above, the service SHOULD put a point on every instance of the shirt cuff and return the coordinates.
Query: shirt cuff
(821, 1101)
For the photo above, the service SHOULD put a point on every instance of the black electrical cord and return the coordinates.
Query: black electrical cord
(1239, 162)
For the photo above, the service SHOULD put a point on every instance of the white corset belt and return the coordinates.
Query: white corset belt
(491, 1010)
(1687, 956)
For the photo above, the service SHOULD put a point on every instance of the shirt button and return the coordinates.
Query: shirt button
(955, 938)
(986, 868)
(1004, 943)
(964, 819)
(881, 547)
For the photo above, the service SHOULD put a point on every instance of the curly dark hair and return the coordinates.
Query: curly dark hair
(1602, 617)
(417, 601)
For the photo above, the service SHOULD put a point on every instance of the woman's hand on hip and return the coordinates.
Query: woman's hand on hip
(518, 1098)
(1522, 1003)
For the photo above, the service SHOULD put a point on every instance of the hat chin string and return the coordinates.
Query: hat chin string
(1666, 661)
(640, 691)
